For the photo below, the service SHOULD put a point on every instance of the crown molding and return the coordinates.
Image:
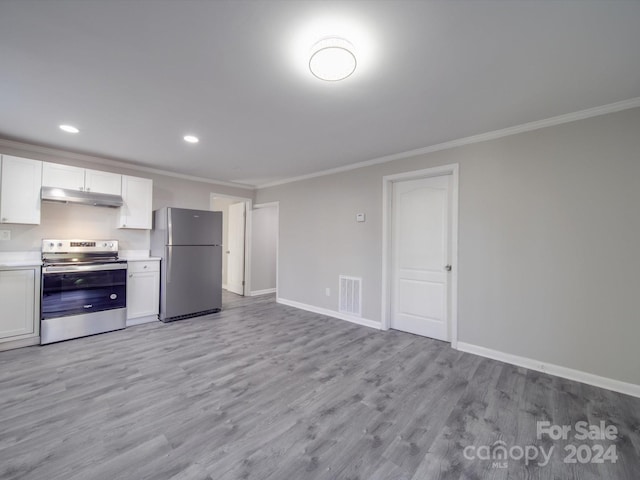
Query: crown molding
(30, 148)
(483, 137)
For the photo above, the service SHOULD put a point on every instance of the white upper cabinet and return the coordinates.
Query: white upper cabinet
(20, 190)
(62, 176)
(137, 194)
(81, 179)
(21, 180)
(102, 182)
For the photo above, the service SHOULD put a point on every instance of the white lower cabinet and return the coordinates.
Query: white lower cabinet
(143, 291)
(20, 312)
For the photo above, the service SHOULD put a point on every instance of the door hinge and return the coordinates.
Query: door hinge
(243, 283)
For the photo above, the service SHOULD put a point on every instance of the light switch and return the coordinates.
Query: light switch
(360, 217)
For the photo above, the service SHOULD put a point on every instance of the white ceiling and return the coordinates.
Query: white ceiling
(137, 75)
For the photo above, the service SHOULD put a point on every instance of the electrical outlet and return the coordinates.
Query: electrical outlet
(327, 292)
(5, 234)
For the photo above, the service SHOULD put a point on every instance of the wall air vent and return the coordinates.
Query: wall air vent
(350, 295)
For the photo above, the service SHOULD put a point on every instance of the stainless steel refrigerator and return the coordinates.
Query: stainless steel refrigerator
(190, 245)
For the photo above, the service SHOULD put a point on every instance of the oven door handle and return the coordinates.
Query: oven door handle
(84, 268)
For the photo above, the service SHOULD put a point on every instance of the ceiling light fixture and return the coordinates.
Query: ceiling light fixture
(69, 128)
(191, 139)
(332, 59)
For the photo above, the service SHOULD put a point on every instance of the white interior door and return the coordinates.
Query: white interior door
(420, 256)
(235, 249)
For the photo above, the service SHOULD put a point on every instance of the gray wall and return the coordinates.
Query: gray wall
(264, 234)
(548, 241)
(91, 222)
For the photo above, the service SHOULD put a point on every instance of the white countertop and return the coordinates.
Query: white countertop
(135, 255)
(20, 259)
(5, 265)
(34, 259)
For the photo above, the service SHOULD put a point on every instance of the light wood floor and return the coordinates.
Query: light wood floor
(264, 391)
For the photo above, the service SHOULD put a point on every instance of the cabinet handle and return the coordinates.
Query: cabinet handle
(145, 266)
(130, 275)
(81, 188)
(4, 219)
(87, 189)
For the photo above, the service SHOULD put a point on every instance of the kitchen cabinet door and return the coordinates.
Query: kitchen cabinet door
(62, 176)
(143, 289)
(102, 182)
(20, 190)
(18, 299)
(137, 194)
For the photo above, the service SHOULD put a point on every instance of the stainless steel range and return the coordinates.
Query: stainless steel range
(84, 289)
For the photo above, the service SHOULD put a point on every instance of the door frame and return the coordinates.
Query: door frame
(387, 213)
(275, 205)
(247, 234)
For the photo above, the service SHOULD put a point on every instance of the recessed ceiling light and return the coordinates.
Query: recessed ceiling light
(332, 59)
(191, 139)
(69, 128)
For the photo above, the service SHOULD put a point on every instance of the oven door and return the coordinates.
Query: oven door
(79, 289)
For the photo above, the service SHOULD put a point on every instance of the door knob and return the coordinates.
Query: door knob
(447, 268)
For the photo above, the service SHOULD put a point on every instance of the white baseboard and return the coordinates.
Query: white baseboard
(262, 292)
(552, 369)
(331, 313)
(140, 320)
(224, 286)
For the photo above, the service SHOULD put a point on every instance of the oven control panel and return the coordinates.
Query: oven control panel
(79, 246)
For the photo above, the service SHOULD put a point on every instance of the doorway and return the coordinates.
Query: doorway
(420, 225)
(264, 248)
(235, 240)
(235, 247)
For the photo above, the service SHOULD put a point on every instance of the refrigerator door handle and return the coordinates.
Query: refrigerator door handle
(169, 264)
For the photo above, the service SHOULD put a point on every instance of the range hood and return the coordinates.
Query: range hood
(64, 195)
